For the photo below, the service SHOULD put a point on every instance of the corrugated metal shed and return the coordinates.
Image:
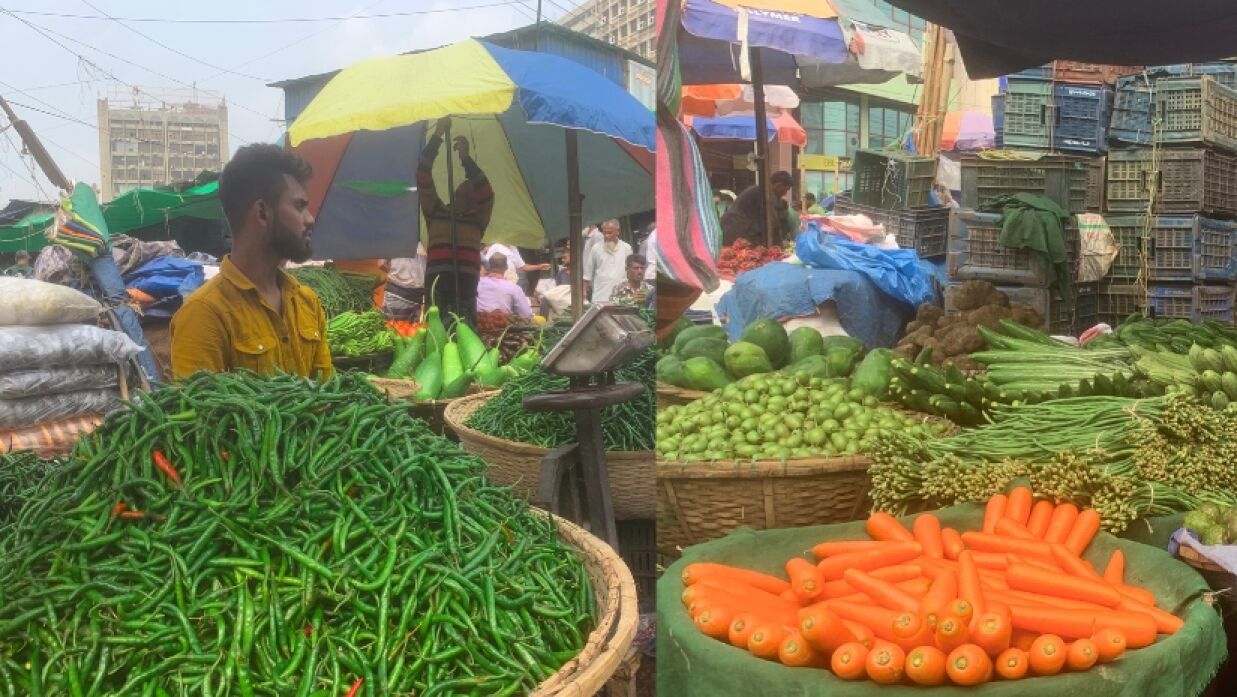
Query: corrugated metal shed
(599, 56)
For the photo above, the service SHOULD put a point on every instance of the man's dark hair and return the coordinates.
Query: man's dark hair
(782, 178)
(255, 173)
(497, 263)
(637, 259)
(811, 197)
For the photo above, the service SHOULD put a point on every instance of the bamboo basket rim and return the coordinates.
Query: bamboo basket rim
(458, 411)
(1192, 557)
(618, 617)
(666, 388)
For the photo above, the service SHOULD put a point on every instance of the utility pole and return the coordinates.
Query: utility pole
(35, 147)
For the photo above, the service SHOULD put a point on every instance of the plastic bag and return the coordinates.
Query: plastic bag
(36, 383)
(894, 271)
(53, 438)
(32, 411)
(28, 302)
(62, 345)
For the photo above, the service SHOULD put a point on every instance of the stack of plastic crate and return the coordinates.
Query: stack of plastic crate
(894, 189)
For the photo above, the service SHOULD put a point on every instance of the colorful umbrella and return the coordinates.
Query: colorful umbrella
(720, 100)
(967, 130)
(780, 126)
(365, 129)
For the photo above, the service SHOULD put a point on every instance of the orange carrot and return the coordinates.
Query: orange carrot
(1073, 564)
(862, 634)
(882, 526)
(824, 630)
(795, 652)
(1047, 655)
(912, 630)
(715, 622)
(748, 594)
(992, 633)
(888, 555)
(1016, 597)
(835, 547)
(893, 574)
(1025, 577)
(969, 587)
(1011, 528)
(1022, 639)
(969, 665)
(991, 560)
(1081, 655)
(1141, 595)
(1018, 505)
(1033, 561)
(878, 619)
(1115, 571)
(884, 593)
(1165, 622)
(993, 511)
(951, 542)
(805, 579)
(885, 663)
(944, 588)
(699, 595)
(1109, 644)
(951, 632)
(694, 572)
(741, 628)
(1071, 623)
(925, 665)
(1085, 527)
(984, 542)
(791, 597)
(1063, 517)
(849, 661)
(927, 531)
(765, 641)
(1041, 515)
(1012, 664)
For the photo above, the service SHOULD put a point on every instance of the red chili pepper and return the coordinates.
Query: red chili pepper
(309, 631)
(356, 688)
(119, 508)
(166, 467)
(225, 455)
(132, 515)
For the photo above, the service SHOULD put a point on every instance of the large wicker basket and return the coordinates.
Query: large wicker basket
(515, 464)
(701, 501)
(669, 395)
(618, 618)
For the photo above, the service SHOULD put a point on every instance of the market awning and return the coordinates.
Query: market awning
(27, 234)
(998, 38)
(721, 100)
(781, 126)
(140, 208)
(967, 130)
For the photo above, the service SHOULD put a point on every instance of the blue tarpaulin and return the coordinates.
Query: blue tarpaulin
(781, 290)
(895, 271)
(166, 277)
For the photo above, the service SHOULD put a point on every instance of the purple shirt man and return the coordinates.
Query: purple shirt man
(496, 294)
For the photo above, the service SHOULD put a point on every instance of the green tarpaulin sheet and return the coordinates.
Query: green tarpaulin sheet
(690, 664)
(26, 234)
(140, 208)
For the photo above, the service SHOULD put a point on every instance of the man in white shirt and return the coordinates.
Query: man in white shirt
(592, 235)
(406, 286)
(515, 262)
(605, 267)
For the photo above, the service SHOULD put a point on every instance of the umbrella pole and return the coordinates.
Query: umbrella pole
(455, 235)
(762, 145)
(575, 224)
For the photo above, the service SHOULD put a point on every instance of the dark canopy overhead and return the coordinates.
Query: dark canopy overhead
(1005, 36)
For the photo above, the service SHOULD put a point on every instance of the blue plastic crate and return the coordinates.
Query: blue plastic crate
(1223, 72)
(1215, 249)
(998, 120)
(1131, 110)
(1191, 302)
(1081, 117)
(975, 252)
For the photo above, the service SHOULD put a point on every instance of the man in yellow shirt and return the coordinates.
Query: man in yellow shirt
(253, 315)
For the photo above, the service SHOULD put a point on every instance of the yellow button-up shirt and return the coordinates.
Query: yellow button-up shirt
(226, 325)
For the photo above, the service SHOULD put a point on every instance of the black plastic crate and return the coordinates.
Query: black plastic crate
(1061, 178)
(1117, 301)
(1189, 180)
(1026, 114)
(892, 180)
(1095, 184)
(925, 230)
(1193, 302)
(1081, 117)
(1196, 110)
(975, 252)
(1130, 122)
(638, 548)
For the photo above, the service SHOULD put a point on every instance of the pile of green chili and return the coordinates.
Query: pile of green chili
(338, 292)
(238, 535)
(20, 472)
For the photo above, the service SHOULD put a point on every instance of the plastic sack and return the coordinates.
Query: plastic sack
(54, 438)
(36, 383)
(28, 302)
(895, 271)
(55, 346)
(32, 411)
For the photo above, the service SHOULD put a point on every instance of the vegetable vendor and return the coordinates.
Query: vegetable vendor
(254, 315)
(474, 204)
(635, 290)
(744, 219)
(495, 293)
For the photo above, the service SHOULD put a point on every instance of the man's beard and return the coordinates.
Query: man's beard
(288, 245)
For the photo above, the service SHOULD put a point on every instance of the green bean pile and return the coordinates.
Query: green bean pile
(20, 472)
(338, 292)
(246, 536)
(1125, 458)
(624, 427)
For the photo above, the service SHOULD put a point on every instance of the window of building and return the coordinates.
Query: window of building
(903, 20)
(832, 129)
(887, 125)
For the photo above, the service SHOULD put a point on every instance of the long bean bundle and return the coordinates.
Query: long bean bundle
(1125, 458)
(338, 292)
(241, 535)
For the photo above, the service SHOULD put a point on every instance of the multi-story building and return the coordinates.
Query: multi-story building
(630, 24)
(147, 140)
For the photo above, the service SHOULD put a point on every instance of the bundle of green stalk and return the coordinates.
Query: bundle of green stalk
(1126, 458)
(625, 427)
(1173, 335)
(251, 536)
(338, 292)
(1207, 373)
(359, 334)
(21, 471)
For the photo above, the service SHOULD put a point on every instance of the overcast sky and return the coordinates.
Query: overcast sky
(36, 72)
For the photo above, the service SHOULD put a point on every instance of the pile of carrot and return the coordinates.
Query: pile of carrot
(932, 605)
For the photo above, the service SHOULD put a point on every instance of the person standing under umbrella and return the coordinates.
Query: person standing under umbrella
(605, 267)
(447, 257)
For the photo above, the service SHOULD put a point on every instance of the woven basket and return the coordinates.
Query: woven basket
(433, 412)
(670, 396)
(515, 464)
(396, 389)
(618, 618)
(1190, 556)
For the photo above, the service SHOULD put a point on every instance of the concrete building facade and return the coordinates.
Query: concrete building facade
(629, 24)
(151, 142)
